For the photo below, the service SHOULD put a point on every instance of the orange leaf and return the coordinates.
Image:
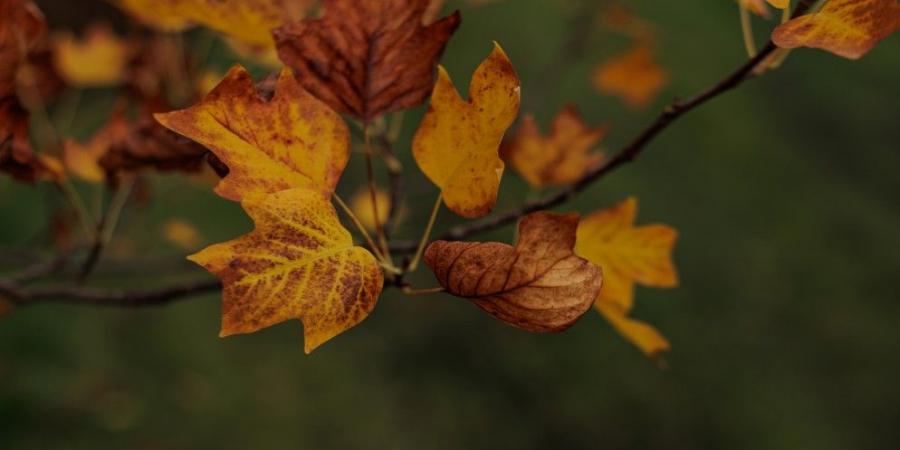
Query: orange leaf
(457, 142)
(848, 28)
(558, 159)
(780, 4)
(298, 263)
(539, 285)
(634, 76)
(83, 160)
(366, 58)
(181, 233)
(293, 140)
(98, 59)
(627, 254)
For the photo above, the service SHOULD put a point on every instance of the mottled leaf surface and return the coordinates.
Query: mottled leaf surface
(292, 140)
(457, 143)
(298, 263)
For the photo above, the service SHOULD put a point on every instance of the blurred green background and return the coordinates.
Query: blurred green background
(787, 200)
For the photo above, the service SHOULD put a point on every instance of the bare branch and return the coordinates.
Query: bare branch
(81, 295)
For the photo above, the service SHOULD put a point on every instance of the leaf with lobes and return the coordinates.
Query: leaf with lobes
(457, 142)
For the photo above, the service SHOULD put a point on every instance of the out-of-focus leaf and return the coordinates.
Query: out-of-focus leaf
(634, 76)
(99, 58)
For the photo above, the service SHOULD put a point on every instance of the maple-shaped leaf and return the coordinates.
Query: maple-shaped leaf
(457, 143)
(848, 28)
(99, 58)
(628, 254)
(539, 285)
(148, 145)
(298, 263)
(366, 58)
(634, 76)
(292, 140)
(561, 157)
(249, 21)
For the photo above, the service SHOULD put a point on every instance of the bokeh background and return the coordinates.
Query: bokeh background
(787, 197)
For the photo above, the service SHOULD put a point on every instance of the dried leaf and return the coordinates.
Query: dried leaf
(634, 76)
(457, 142)
(294, 140)
(148, 145)
(628, 254)
(560, 158)
(848, 28)
(99, 58)
(539, 285)
(22, 27)
(16, 157)
(299, 262)
(366, 58)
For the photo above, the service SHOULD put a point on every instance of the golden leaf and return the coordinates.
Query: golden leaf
(250, 21)
(848, 28)
(298, 263)
(628, 254)
(561, 157)
(181, 233)
(780, 4)
(99, 58)
(361, 205)
(539, 285)
(633, 76)
(457, 142)
(293, 140)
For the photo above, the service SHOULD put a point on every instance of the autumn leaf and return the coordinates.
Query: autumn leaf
(628, 254)
(457, 142)
(99, 58)
(848, 28)
(539, 285)
(181, 233)
(83, 160)
(292, 140)
(361, 205)
(148, 145)
(22, 27)
(780, 4)
(561, 157)
(298, 263)
(366, 58)
(16, 158)
(757, 7)
(633, 76)
(249, 21)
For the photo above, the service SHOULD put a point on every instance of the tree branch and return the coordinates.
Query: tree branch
(627, 154)
(80, 295)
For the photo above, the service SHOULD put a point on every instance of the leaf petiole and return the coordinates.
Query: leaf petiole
(425, 235)
(747, 30)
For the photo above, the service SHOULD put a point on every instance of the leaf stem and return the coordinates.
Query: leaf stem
(409, 290)
(747, 30)
(425, 235)
(84, 217)
(373, 196)
(360, 227)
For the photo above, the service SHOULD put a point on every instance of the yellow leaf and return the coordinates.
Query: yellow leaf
(298, 263)
(292, 140)
(757, 7)
(634, 76)
(361, 205)
(52, 168)
(83, 160)
(643, 336)
(561, 157)
(250, 21)
(457, 142)
(848, 28)
(780, 4)
(98, 59)
(181, 233)
(627, 254)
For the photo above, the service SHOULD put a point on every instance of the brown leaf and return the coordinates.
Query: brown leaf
(22, 27)
(148, 145)
(539, 285)
(366, 58)
(16, 157)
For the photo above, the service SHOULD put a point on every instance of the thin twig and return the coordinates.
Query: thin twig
(627, 154)
(102, 297)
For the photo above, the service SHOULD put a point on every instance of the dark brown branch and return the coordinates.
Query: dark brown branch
(81, 295)
(627, 154)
